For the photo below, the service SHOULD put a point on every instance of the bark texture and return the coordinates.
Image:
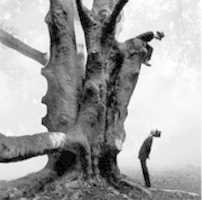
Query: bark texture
(86, 109)
(64, 81)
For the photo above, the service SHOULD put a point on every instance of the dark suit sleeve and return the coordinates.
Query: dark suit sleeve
(146, 37)
(145, 149)
(148, 145)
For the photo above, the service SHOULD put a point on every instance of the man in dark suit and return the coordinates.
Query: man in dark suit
(144, 152)
(148, 37)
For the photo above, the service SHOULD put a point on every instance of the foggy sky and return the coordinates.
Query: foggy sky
(166, 97)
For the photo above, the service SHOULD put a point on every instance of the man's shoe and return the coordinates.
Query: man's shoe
(147, 186)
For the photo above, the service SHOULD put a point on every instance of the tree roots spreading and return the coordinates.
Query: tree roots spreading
(45, 185)
(26, 186)
(72, 186)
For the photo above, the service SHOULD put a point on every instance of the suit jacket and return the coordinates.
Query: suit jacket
(145, 149)
(146, 37)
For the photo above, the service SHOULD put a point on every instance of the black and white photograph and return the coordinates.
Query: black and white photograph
(100, 100)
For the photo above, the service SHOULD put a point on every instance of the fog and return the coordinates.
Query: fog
(167, 95)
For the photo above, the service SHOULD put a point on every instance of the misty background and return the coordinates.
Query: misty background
(167, 95)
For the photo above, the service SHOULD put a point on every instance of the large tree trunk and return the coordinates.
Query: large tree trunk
(63, 78)
(86, 111)
(93, 109)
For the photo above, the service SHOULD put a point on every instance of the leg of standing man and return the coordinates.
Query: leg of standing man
(148, 55)
(145, 173)
(149, 51)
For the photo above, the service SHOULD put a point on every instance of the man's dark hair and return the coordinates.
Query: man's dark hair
(157, 133)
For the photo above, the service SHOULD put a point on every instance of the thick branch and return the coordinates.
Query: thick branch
(84, 15)
(130, 188)
(8, 40)
(134, 50)
(110, 27)
(62, 73)
(64, 78)
(20, 148)
(123, 79)
(104, 4)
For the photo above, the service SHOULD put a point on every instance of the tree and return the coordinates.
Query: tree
(86, 109)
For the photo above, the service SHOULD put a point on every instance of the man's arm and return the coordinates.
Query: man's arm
(150, 35)
(148, 145)
(147, 36)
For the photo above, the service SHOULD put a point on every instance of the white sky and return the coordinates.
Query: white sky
(166, 97)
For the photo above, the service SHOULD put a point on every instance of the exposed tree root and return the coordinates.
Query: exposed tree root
(46, 185)
(26, 186)
(159, 194)
(133, 190)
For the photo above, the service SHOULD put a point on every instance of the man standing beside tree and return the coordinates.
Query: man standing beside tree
(144, 152)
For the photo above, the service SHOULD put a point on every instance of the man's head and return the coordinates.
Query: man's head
(160, 35)
(156, 133)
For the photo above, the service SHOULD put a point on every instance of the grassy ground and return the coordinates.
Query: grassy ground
(65, 189)
(163, 181)
(187, 179)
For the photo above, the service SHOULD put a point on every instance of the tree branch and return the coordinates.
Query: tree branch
(84, 15)
(63, 77)
(8, 40)
(99, 5)
(23, 147)
(133, 50)
(123, 79)
(110, 26)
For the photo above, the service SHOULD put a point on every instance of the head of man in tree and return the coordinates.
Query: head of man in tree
(156, 133)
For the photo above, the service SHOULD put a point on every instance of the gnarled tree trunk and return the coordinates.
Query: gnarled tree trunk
(92, 111)
(86, 111)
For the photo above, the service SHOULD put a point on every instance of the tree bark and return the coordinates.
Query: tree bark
(24, 147)
(63, 75)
